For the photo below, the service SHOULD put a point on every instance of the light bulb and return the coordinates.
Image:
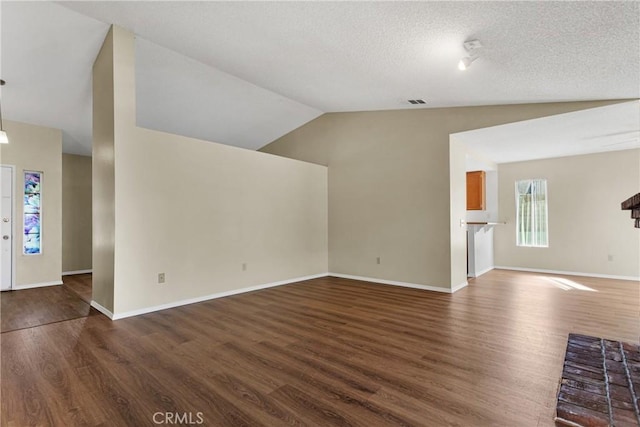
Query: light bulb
(464, 63)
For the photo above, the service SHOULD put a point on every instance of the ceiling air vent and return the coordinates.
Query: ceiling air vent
(416, 101)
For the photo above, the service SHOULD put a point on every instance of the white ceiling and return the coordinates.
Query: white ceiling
(611, 128)
(256, 70)
(47, 55)
(180, 95)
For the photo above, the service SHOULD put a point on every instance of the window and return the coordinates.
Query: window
(532, 223)
(32, 242)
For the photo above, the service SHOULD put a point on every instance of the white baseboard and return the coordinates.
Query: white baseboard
(460, 286)
(101, 309)
(36, 285)
(486, 270)
(188, 301)
(569, 273)
(403, 284)
(71, 273)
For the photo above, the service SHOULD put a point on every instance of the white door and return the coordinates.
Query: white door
(6, 227)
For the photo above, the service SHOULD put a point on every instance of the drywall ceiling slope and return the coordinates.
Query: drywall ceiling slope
(180, 95)
(610, 128)
(48, 51)
(47, 56)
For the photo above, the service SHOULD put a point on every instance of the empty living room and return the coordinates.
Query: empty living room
(320, 213)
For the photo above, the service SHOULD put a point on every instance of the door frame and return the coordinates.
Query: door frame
(13, 224)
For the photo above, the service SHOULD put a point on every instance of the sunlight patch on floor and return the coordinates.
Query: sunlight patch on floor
(567, 284)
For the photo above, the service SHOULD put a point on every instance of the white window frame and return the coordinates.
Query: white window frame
(24, 216)
(532, 243)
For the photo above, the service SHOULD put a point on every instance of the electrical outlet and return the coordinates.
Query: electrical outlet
(244, 266)
(378, 260)
(161, 277)
(610, 258)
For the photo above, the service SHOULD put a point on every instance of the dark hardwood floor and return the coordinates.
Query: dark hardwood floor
(322, 352)
(80, 284)
(28, 308)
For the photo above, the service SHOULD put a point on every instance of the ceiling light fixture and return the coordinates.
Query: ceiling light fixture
(3, 135)
(465, 63)
(471, 46)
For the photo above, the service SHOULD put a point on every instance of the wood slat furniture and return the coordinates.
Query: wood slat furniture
(600, 383)
(633, 204)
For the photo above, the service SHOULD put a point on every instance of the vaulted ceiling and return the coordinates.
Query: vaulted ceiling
(245, 73)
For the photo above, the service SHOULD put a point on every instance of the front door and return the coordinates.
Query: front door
(6, 227)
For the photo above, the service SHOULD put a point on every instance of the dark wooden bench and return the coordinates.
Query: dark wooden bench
(633, 204)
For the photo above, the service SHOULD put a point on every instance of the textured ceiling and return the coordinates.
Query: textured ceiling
(351, 56)
(257, 70)
(610, 128)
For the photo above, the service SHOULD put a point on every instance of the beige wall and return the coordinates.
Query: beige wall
(36, 148)
(389, 192)
(458, 213)
(103, 177)
(586, 224)
(197, 211)
(76, 213)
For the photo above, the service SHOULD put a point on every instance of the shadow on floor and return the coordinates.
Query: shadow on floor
(80, 284)
(40, 306)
